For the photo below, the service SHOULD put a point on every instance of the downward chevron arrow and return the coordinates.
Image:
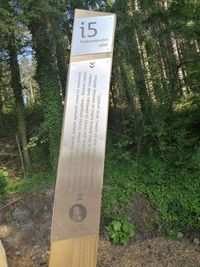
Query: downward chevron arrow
(92, 65)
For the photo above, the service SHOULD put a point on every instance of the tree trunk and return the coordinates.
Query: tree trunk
(136, 63)
(1, 108)
(62, 67)
(126, 85)
(50, 90)
(17, 91)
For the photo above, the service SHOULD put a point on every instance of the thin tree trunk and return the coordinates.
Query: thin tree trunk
(181, 72)
(136, 62)
(17, 90)
(1, 108)
(62, 67)
(139, 78)
(127, 89)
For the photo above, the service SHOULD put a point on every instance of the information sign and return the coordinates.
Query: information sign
(76, 212)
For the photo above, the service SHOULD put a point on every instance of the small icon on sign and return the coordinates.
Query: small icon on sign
(77, 213)
(79, 197)
(92, 65)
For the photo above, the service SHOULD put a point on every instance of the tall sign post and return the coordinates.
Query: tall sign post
(76, 215)
(3, 260)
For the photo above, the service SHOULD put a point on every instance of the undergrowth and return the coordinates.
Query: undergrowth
(32, 182)
(162, 162)
(3, 182)
(172, 190)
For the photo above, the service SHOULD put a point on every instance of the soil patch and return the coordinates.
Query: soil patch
(25, 227)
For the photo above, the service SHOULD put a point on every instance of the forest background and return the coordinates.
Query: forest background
(153, 137)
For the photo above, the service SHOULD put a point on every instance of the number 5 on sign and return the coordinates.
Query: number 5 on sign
(92, 35)
(90, 29)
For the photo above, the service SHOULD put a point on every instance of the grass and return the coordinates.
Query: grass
(32, 182)
(173, 192)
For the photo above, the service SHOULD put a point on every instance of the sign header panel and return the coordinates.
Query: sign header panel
(93, 35)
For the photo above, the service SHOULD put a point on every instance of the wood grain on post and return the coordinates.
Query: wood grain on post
(79, 252)
(3, 260)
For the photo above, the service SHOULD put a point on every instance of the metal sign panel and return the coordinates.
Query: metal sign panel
(82, 152)
(93, 35)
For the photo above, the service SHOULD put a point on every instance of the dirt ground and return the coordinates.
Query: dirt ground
(25, 225)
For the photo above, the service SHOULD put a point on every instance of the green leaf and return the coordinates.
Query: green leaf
(117, 225)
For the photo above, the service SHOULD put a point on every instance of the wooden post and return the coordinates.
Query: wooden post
(3, 260)
(76, 214)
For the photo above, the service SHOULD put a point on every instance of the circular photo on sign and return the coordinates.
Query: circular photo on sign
(77, 213)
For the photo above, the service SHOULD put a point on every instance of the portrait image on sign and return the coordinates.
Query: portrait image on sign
(77, 213)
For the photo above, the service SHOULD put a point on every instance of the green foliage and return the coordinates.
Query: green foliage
(3, 182)
(39, 154)
(172, 234)
(172, 187)
(51, 103)
(118, 187)
(33, 182)
(196, 158)
(120, 231)
(174, 190)
(9, 122)
(123, 145)
(38, 144)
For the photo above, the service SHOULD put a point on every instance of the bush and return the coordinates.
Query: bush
(119, 185)
(120, 231)
(173, 189)
(3, 182)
